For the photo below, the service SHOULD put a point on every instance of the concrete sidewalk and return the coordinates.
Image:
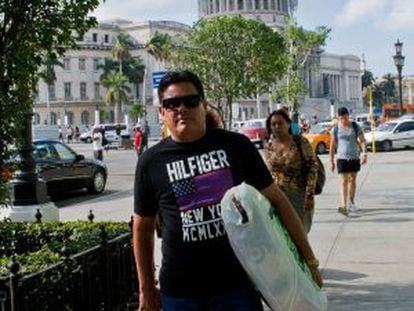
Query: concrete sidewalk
(368, 262)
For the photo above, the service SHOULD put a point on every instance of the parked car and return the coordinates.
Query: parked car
(64, 170)
(319, 136)
(392, 134)
(408, 116)
(110, 134)
(255, 130)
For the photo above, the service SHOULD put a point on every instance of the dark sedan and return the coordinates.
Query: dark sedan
(64, 170)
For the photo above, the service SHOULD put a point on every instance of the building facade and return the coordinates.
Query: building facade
(77, 93)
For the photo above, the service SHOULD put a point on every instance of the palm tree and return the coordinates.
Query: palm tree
(137, 111)
(117, 92)
(120, 52)
(160, 46)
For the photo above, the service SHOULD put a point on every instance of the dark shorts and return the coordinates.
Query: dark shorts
(239, 300)
(348, 166)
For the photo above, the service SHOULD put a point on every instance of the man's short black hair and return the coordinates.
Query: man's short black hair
(343, 111)
(174, 77)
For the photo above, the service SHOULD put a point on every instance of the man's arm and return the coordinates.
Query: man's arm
(332, 147)
(143, 245)
(363, 146)
(294, 226)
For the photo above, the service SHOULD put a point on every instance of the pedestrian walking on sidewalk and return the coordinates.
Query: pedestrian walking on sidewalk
(138, 140)
(184, 177)
(349, 143)
(97, 139)
(293, 164)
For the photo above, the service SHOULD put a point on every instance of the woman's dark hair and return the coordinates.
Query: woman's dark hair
(282, 113)
(175, 77)
(343, 111)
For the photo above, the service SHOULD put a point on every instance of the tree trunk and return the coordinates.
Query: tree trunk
(229, 111)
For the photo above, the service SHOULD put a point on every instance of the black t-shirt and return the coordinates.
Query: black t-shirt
(186, 182)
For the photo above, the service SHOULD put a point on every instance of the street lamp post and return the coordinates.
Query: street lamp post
(399, 63)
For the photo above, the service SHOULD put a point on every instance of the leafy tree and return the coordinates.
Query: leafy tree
(301, 44)
(116, 92)
(160, 46)
(137, 111)
(120, 52)
(367, 79)
(235, 58)
(30, 30)
(388, 87)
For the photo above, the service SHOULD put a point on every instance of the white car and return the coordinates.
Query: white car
(110, 134)
(392, 134)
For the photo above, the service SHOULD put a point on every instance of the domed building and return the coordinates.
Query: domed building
(272, 12)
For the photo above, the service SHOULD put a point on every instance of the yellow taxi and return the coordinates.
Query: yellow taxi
(319, 136)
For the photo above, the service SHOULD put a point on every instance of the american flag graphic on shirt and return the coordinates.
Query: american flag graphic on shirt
(202, 190)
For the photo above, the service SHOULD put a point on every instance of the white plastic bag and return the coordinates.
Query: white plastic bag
(267, 253)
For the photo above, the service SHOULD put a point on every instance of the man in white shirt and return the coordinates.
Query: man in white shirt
(97, 143)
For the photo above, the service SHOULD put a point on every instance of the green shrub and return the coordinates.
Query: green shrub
(38, 245)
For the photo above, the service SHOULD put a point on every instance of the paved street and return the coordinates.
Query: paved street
(367, 262)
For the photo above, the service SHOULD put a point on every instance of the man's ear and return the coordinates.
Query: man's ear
(161, 111)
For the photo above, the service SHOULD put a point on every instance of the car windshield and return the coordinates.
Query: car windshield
(254, 124)
(386, 127)
(318, 129)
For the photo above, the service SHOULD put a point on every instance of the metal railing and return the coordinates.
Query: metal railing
(100, 278)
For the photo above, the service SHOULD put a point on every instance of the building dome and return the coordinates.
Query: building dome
(271, 12)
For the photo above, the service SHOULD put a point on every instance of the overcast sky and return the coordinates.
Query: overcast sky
(369, 27)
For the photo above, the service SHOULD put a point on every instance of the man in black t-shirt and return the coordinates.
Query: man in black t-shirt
(184, 178)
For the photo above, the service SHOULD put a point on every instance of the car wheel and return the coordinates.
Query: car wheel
(387, 145)
(320, 148)
(98, 182)
(89, 140)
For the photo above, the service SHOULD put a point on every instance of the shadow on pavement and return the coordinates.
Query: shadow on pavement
(76, 197)
(358, 297)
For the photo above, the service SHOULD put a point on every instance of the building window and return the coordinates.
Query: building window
(257, 4)
(82, 64)
(95, 37)
(53, 118)
(273, 5)
(217, 6)
(265, 4)
(68, 91)
(111, 116)
(96, 91)
(36, 119)
(69, 115)
(279, 5)
(51, 91)
(85, 118)
(240, 5)
(66, 63)
(231, 5)
(96, 64)
(106, 38)
(82, 90)
(248, 5)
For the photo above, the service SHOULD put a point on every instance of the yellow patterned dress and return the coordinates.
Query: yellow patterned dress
(294, 174)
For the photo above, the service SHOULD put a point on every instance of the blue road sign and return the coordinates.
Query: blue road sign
(156, 78)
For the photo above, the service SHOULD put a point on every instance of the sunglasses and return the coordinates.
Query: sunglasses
(190, 101)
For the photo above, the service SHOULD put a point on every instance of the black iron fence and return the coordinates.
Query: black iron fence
(100, 278)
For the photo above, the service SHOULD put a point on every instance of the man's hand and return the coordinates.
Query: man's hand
(150, 300)
(316, 275)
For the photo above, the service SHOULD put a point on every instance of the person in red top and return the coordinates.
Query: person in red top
(138, 140)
